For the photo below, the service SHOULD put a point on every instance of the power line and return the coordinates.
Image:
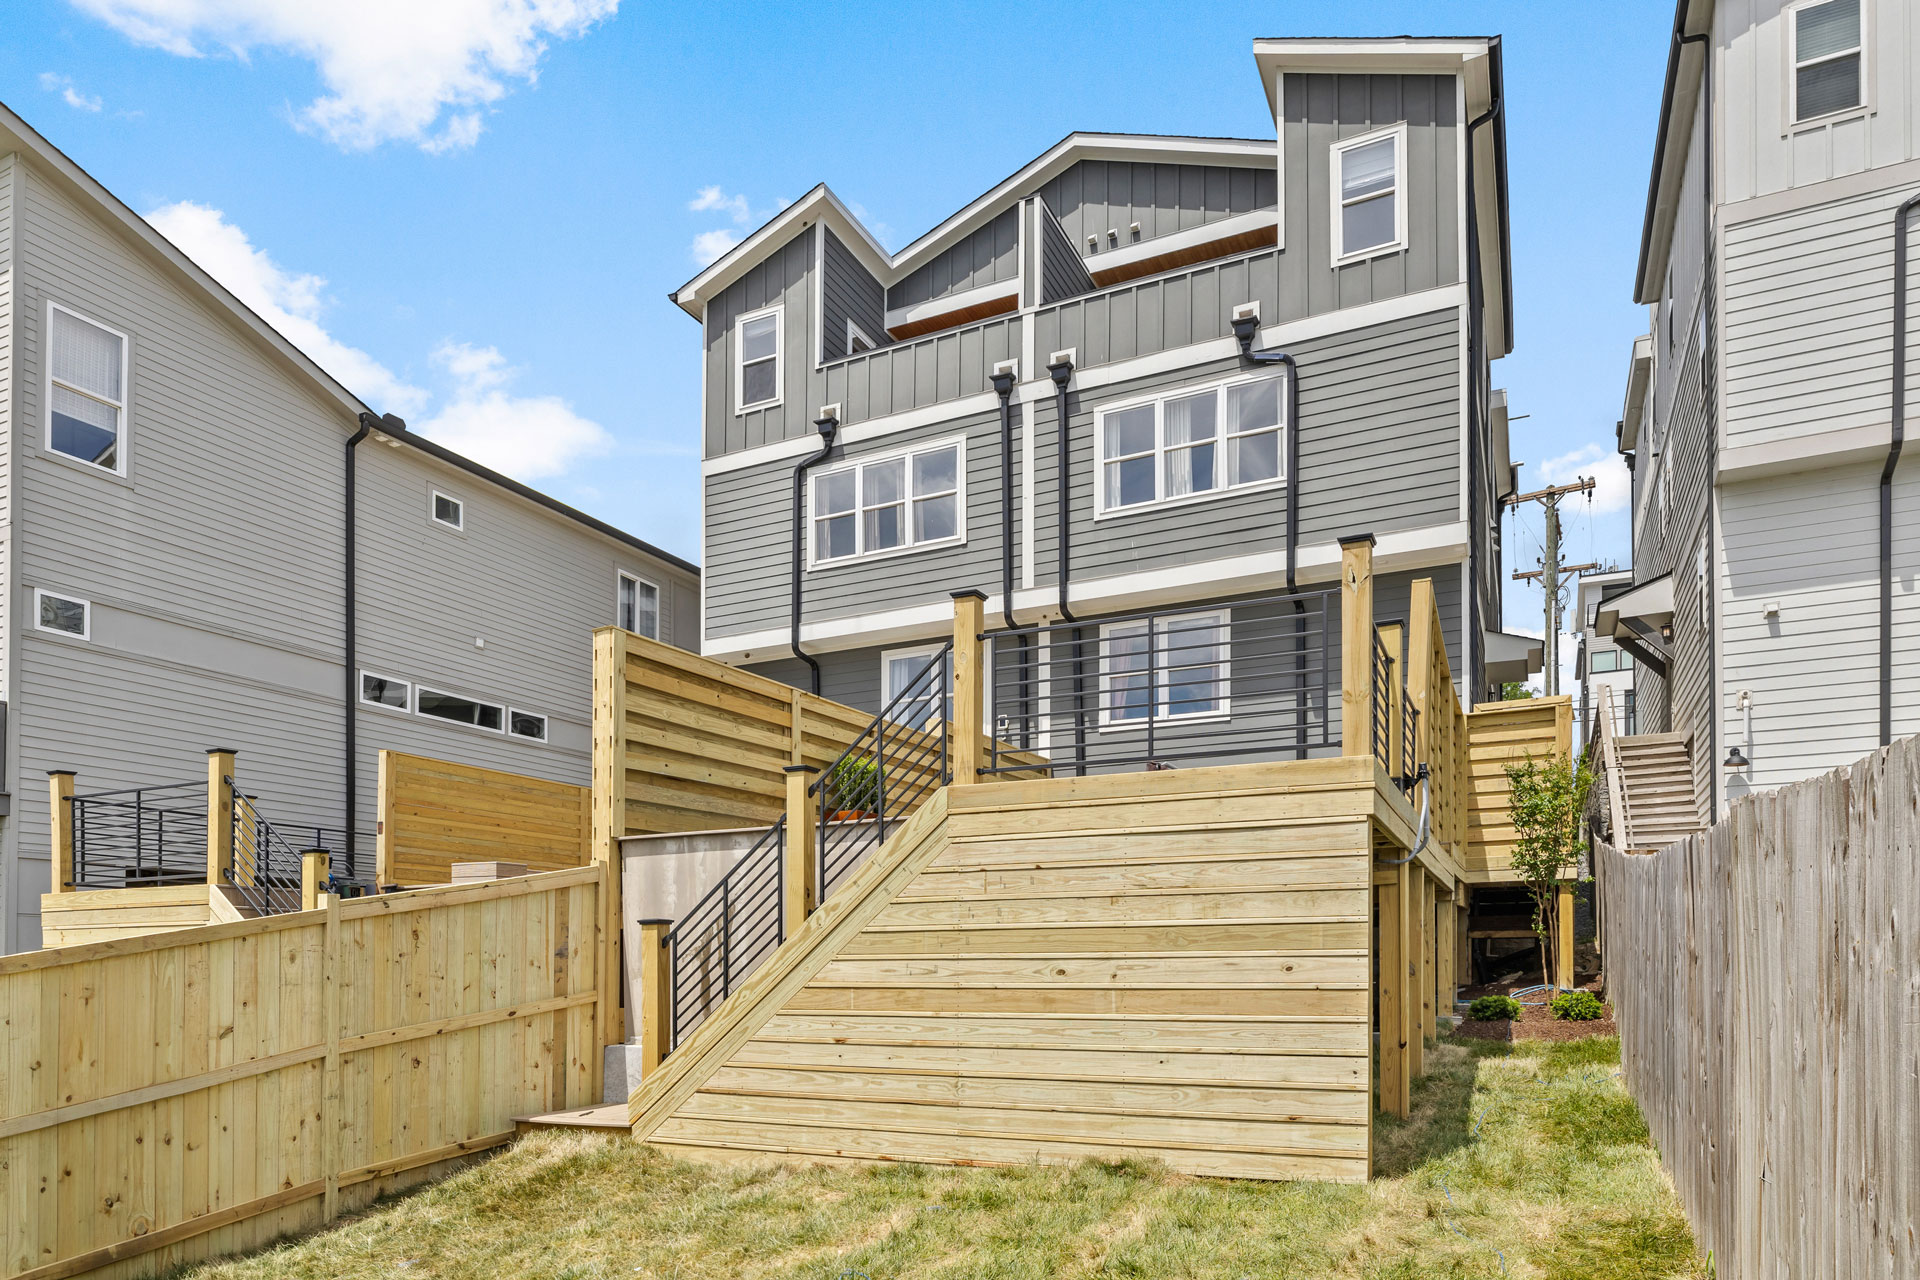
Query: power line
(1551, 569)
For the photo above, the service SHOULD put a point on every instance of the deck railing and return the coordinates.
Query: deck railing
(140, 837)
(723, 939)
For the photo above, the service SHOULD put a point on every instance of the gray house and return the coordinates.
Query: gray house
(1139, 390)
(174, 548)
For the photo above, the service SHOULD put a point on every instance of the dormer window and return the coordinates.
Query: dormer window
(1826, 59)
(1369, 180)
(756, 344)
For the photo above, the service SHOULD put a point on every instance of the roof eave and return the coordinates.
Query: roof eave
(1679, 95)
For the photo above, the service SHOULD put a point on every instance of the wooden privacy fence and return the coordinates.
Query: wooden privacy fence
(434, 813)
(1766, 979)
(183, 1095)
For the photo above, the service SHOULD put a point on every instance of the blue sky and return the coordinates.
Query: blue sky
(476, 221)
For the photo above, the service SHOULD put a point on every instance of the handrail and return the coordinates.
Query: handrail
(1610, 763)
(739, 939)
(138, 837)
(265, 867)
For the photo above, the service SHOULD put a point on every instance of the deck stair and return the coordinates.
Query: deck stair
(1656, 786)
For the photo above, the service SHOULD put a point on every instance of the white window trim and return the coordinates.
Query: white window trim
(1337, 227)
(1101, 511)
(855, 331)
(860, 554)
(546, 725)
(1222, 617)
(433, 510)
(365, 701)
(419, 689)
(1790, 47)
(779, 311)
(921, 652)
(86, 613)
(659, 599)
(49, 381)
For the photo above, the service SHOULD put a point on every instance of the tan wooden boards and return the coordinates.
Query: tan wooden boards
(171, 1097)
(434, 813)
(100, 915)
(1499, 734)
(1764, 975)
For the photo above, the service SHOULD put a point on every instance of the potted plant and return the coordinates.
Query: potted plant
(854, 787)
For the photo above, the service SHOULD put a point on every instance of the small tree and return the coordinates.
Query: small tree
(1514, 691)
(1547, 803)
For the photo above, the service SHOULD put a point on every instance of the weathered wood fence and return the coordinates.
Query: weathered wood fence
(1766, 978)
(181, 1095)
(434, 813)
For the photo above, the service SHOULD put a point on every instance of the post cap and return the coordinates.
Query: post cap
(61, 773)
(1356, 539)
(799, 768)
(654, 920)
(222, 751)
(969, 593)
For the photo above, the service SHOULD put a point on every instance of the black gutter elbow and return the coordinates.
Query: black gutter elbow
(827, 424)
(1062, 372)
(1246, 327)
(1003, 387)
(1896, 440)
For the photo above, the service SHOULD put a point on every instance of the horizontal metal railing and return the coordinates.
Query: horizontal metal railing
(1251, 678)
(715, 946)
(1381, 728)
(265, 867)
(140, 837)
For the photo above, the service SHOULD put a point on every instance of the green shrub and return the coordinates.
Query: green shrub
(1494, 1009)
(855, 785)
(1577, 1006)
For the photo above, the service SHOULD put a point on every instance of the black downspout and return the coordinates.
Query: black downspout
(367, 423)
(1062, 372)
(826, 426)
(1899, 436)
(1003, 387)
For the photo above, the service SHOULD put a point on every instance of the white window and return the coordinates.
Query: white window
(639, 606)
(68, 615)
(1827, 65)
(927, 695)
(757, 360)
(857, 339)
(525, 724)
(1191, 445)
(384, 691)
(1369, 204)
(461, 710)
(1169, 668)
(896, 503)
(86, 390)
(450, 512)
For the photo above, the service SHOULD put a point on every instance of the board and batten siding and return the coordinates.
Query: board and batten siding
(913, 375)
(848, 291)
(1092, 197)
(988, 256)
(783, 278)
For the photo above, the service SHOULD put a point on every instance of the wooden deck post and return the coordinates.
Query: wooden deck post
(60, 795)
(969, 687)
(800, 866)
(1395, 1080)
(1563, 943)
(1356, 644)
(219, 814)
(315, 867)
(609, 824)
(1419, 972)
(654, 1000)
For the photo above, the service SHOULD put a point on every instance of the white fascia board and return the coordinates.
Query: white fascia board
(820, 202)
(1395, 56)
(958, 301)
(1206, 233)
(1198, 582)
(1639, 379)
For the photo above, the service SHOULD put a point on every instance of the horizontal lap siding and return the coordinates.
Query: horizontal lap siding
(988, 256)
(1062, 274)
(848, 292)
(1093, 196)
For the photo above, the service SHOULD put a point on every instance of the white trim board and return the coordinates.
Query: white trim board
(959, 300)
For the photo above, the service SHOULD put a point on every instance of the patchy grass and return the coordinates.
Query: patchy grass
(1522, 1160)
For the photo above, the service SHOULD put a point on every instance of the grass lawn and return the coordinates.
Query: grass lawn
(1520, 1160)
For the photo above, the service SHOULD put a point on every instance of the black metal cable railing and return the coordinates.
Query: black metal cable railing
(1254, 678)
(265, 867)
(1409, 741)
(349, 874)
(1382, 709)
(885, 774)
(715, 946)
(140, 837)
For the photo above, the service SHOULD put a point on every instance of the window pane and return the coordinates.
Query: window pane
(756, 382)
(759, 338)
(884, 526)
(85, 429)
(1130, 482)
(522, 724)
(1367, 170)
(385, 692)
(649, 611)
(1196, 657)
(446, 510)
(57, 614)
(625, 608)
(1367, 224)
(1253, 405)
(449, 706)
(1823, 29)
(86, 356)
(1128, 431)
(885, 482)
(1827, 86)
(833, 537)
(1191, 418)
(936, 472)
(1126, 666)
(833, 493)
(935, 518)
(1256, 457)
(1189, 470)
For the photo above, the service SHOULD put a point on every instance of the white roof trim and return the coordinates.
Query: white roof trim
(1650, 602)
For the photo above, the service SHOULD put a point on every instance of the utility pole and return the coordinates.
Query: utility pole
(1551, 569)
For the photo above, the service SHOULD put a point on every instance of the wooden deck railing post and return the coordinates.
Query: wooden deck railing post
(800, 874)
(969, 686)
(1356, 644)
(315, 867)
(60, 795)
(1563, 943)
(219, 814)
(655, 997)
(609, 823)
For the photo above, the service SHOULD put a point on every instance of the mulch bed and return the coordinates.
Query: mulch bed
(1536, 1021)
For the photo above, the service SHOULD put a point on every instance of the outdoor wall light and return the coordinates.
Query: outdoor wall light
(1736, 761)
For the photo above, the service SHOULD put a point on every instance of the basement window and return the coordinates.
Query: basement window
(384, 691)
(460, 710)
(525, 724)
(450, 512)
(756, 344)
(1369, 177)
(68, 615)
(1826, 59)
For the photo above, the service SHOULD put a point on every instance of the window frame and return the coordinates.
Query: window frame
(419, 688)
(855, 331)
(1336, 231)
(365, 701)
(86, 614)
(1160, 502)
(858, 465)
(779, 312)
(433, 510)
(546, 725)
(48, 382)
(1791, 49)
(921, 652)
(621, 576)
(1221, 617)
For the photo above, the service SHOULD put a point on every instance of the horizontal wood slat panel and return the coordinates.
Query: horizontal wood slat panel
(434, 813)
(1499, 734)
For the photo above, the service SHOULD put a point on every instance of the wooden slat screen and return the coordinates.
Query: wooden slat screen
(434, 813)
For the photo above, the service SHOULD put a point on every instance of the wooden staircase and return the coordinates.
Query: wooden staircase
(1656, 786)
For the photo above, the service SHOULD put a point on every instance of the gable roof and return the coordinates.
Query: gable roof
(16, 135)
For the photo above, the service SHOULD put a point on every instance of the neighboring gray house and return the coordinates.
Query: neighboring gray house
(173, 549)
(1776, 526)
(1366, 238)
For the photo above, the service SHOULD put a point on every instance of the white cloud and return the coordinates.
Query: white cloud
(527, 437)
(1611, 484)
(64, 86)
(290, 302)
(713, 199)
(710, 246)
(419, 71)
